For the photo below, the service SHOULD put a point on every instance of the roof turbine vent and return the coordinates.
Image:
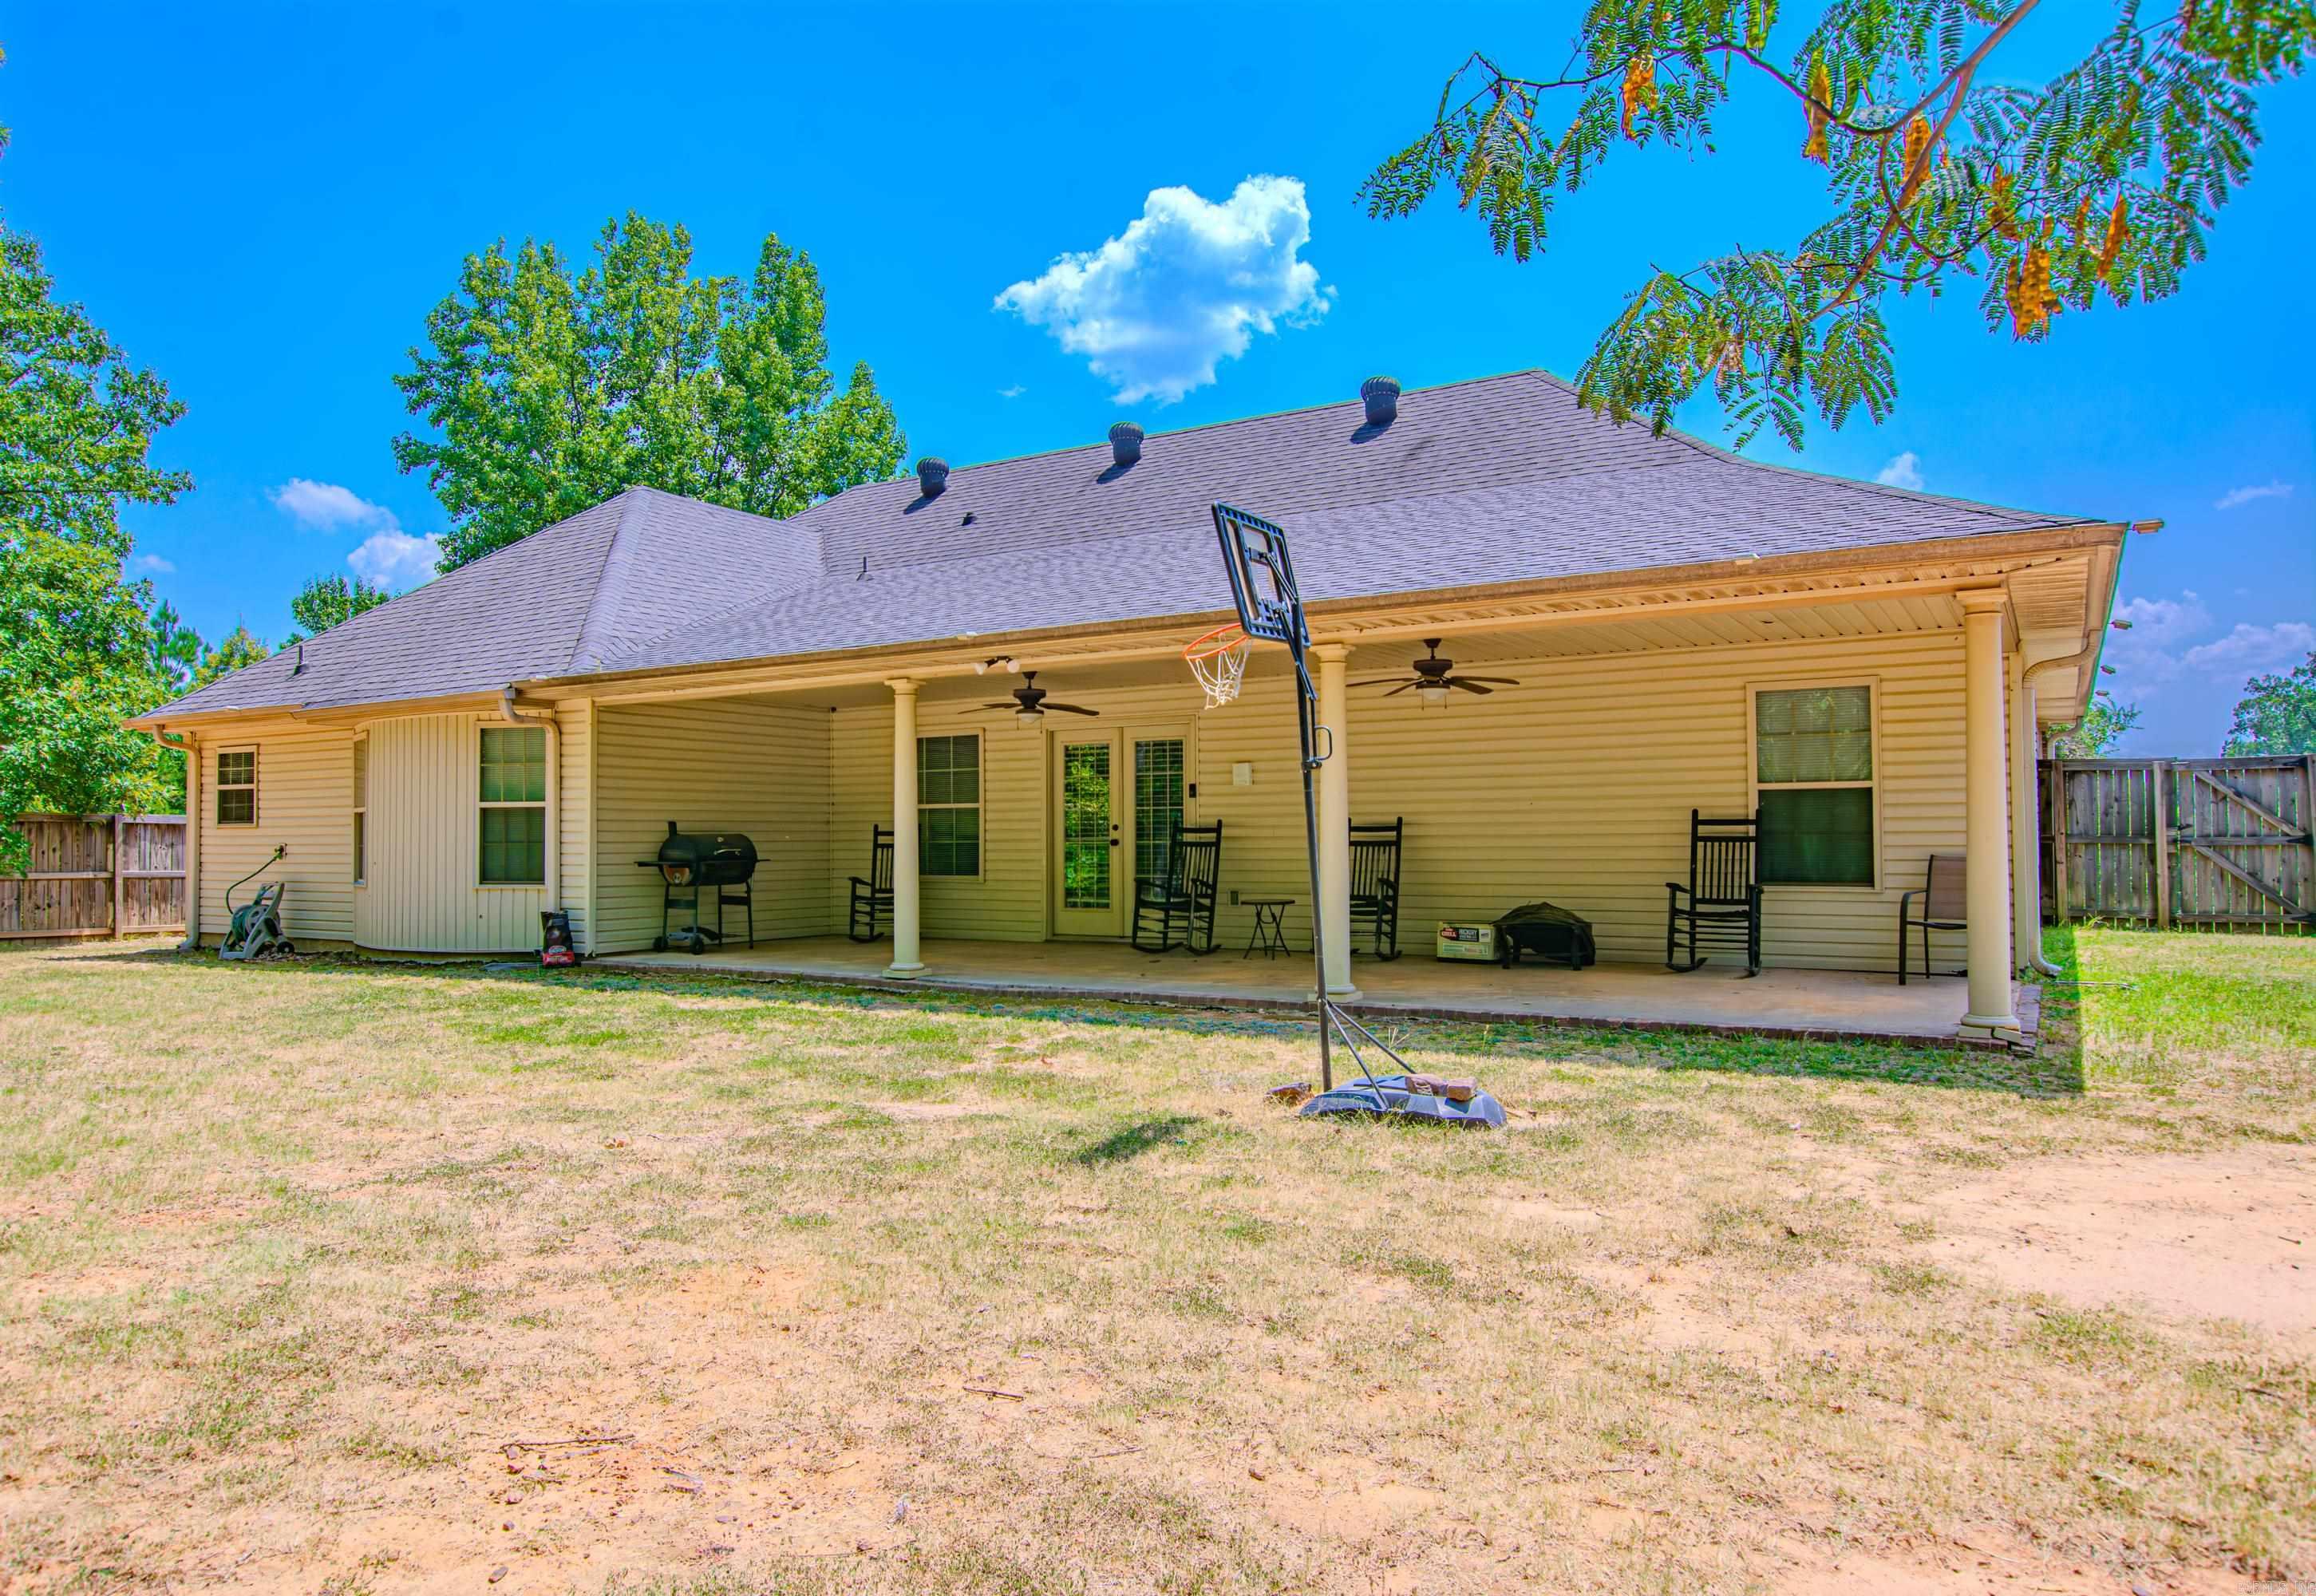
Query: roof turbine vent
(932, 474)
(1381, 396)
(1125, 443)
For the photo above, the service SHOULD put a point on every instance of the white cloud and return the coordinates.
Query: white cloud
(1015, 392)
(2250, 649)
(151, 564)
(2147, 655)
(1904, 471)
(2245, 496)
(1185, 287)
(393, 558)
(324, 506)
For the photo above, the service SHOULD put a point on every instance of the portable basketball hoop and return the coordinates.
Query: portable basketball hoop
(1270, 607)
(1218, 660)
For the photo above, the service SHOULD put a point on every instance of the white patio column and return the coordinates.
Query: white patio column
(2025, 850)
(1985, 795)
(906, 961)
(1333, 912)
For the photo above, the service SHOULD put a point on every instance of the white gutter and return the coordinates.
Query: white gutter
(190, 749)
(554, 861)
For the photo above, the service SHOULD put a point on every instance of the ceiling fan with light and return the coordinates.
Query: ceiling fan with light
(1434, 676)
(1029, 702)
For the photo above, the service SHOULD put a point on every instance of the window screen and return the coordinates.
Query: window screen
(1813, 778)
(512, 849)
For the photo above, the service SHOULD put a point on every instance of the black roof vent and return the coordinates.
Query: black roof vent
(932, 474)
(1125, 443)
(1381, 396)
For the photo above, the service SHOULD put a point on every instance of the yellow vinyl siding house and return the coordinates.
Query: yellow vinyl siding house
(517, 734)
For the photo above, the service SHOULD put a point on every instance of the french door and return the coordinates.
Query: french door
(1093, 886)
(1117, 796)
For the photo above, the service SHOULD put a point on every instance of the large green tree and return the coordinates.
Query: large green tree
(544, 393)
(2278, 713)
(78, 650)
(325, 602)
(1940, 172)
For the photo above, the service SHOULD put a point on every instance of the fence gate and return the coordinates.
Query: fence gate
(97, 875)
(2221, 843)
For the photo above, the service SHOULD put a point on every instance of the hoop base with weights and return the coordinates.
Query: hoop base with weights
(1270, 609)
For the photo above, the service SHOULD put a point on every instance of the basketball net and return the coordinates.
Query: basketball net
(1218, 660)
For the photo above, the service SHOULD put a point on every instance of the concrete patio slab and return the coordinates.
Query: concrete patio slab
(1784, 1002)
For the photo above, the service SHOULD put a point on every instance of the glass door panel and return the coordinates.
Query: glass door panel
(1089, 896)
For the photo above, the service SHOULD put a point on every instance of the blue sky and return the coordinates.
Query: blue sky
(262, 205)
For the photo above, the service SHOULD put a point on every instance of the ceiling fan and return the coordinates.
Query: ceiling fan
(1432, 678)
(1029, 703)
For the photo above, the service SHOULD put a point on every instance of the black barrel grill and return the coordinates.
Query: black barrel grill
(689, 863)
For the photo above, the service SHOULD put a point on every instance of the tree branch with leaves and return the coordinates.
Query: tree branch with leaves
(2103, 184)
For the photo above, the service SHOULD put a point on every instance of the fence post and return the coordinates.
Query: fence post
(2160, 791)
(120, 886)
(2059, 849)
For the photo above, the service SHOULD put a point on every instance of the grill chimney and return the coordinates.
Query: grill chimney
(1381, 396)
(1125, 443)
(933, 474)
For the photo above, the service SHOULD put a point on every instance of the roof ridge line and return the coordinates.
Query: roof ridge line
(617, 544)
(1234, 421)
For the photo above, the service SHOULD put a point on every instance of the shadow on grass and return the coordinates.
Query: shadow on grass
(2055, 1070)
(1134, 1140)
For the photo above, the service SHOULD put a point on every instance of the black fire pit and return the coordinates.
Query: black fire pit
(1546, 930)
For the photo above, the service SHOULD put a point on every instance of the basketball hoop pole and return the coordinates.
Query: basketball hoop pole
(1254, 552)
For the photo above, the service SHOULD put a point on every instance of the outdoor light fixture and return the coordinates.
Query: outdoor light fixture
(1031, 719)
(1434, 694)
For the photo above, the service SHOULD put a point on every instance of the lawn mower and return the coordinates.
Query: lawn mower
(255, 930)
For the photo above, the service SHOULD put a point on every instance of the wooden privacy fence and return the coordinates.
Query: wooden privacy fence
(2219, 843)
(97, 875)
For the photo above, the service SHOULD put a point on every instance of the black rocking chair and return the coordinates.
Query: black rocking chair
(1942, 905)
(1721, 907)
(1375, 883)
(874, 896)
(1185, 897)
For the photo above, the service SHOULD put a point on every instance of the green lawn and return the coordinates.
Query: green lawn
(820, 1290)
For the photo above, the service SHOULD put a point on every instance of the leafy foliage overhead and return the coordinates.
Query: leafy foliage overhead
(2278, 713)
(544, 393)
(2103, 183)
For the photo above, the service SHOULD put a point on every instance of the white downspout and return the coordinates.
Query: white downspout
(553, 861)
(190, 749)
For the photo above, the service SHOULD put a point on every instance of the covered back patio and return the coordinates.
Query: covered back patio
(1573, 782)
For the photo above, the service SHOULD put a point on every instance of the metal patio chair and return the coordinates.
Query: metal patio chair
(873, 896)
(1375, 883)
(1721, 907)
(1945, 906)
(1185, 897)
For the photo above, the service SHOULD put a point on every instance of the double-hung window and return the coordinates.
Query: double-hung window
(236, 787)
(948, 806)
(1814, 778)
(513, 839)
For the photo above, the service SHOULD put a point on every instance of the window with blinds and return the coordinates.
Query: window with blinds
(1814, 778)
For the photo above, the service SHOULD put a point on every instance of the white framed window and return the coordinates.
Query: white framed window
(949, 805)
(361, 808)
(236, 787)
(512, 838)
(1813, 782)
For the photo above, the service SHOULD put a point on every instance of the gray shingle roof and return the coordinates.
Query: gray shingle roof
(1498, 480)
